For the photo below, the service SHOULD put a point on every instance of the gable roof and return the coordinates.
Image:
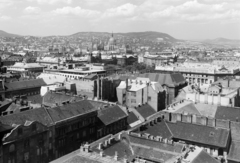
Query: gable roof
(51, 98)
(171, 80)
(38, 114)
(217, 137)
(234, 151)
(17, 85)
(228, 113)
(145, 110)
(111, 114)
(60, 113)
(187, 107)
(204, 157)
(158, 129)
(132, 118)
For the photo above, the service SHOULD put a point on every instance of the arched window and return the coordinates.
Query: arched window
(12, 148)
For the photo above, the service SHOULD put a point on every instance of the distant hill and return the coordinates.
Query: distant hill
(222, 41)
(149, 35)
(5, 34)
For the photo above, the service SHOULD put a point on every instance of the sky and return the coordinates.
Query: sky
(182, 19)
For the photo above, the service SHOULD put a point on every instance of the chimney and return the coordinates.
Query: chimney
(100, 145)
(165, 140)
(116, 156)
(101, 153)
(120, 136)
(87, 147)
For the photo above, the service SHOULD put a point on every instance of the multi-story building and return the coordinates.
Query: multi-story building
(44, 134)
(17, 88)
(201, 73)
(133, 93)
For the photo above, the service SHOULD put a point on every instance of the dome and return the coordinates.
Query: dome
(111, 41)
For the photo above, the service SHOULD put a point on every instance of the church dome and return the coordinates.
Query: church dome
(111, 41)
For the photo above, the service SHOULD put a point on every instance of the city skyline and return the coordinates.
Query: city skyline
(182, 19)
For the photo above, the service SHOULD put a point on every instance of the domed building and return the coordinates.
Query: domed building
(112, 43)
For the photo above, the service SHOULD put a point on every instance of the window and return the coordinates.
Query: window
(50, 134)
(26, 144)
(84, 133)
(50, 145)
(134, 94)
(12, 148)
(133, 101)
(26, 156)
(149, 98)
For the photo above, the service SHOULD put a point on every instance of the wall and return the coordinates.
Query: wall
(210, 99)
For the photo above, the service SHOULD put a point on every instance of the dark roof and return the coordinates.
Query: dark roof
(234, 151)
(122, 147)
(111, 114)
(204, 157)
(145, 110)
(38, 114)
(228, 113)
(70, 110)
(171, 80)
(217, 137)
(4, 106)
(132, 118)
(51, 98)
(5, 128)
(158, 129)
(91, 77)
(35, 99)
(17, 85)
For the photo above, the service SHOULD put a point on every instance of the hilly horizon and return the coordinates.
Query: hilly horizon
(145, 35)
(6, 34)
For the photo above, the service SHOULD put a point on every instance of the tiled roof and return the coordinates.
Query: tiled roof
(25, 84)
(111, 114)
(170, 80)
(51, 98)
(217, 137)
(91, 77)
(158, 129)
(70, 110)
(228, 113)
(204, 157)
(36, 99)
(145, 110)
(132, 118)
(38, 114)
(234, 151)
(4, 127)
(156, 151)
(188, 108)
(79, 159)
(175, 148)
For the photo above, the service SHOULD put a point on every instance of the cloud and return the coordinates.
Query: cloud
(77, 11)
(51, 1)
(5, 3)
(127, 9)
(32, 10)
(4, 17)
(195, 11)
